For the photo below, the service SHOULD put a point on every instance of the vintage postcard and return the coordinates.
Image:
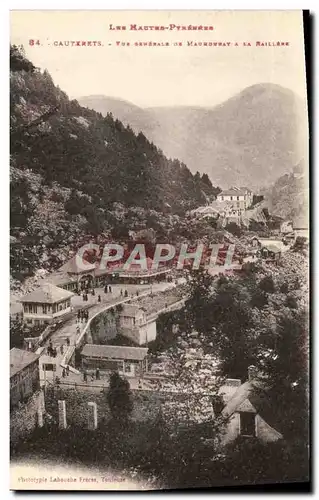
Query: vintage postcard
(159, 293)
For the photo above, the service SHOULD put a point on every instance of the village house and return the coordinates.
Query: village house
(248, 411)
(24, 375)
(45, 304)
(128, 361)
(241, 197)
(76, 273)
(135, 326)
(270, 253)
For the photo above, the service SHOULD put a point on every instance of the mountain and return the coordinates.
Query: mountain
(71, 168)
(288, 197)
(250, 139)
(137, 118)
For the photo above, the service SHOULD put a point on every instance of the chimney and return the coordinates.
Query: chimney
(252, 373)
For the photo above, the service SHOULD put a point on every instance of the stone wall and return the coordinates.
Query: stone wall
(146, 405)
(25, 418)
(103, 327)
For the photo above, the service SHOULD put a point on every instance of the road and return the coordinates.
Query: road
(72, 329)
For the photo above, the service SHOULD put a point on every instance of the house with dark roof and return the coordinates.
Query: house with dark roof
(45, 304)
(248, 411)
(24, 375)
(128, 361)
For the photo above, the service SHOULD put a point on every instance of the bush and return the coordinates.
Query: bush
(234, 229)
(267, 284)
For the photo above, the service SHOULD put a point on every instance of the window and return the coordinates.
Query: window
(237, 197)
(45, 309)
(231, 198)
(247, 424)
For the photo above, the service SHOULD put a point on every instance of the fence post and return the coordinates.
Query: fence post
(92, 416)
(62, 414)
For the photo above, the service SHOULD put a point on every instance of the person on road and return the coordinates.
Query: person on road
(110, 289)
(67, 341)
(125, 293)
(105, 289)
(97, 374)
(93, 292)
(121, 292)
(85, 378)
(99, 298)
(63, 373)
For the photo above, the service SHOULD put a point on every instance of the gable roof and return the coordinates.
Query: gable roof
(234, 191)
(271, 248)
(47, 294)
(20, 359)
(253, 397)
(76, 265)
(114, 352)
(60, 278)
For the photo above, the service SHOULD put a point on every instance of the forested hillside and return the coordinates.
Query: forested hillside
(288, 197)
(71, 167)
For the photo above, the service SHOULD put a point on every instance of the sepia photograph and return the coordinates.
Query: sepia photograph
(159, 250)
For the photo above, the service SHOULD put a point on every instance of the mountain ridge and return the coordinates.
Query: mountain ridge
(258, 129)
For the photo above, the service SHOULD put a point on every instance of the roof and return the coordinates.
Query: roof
(236, 191)
(47, 294)
(77, 265)
(272, 248)
(59, 278)
(20, 359)
(252, 396)
(130, 310)
(114, 352)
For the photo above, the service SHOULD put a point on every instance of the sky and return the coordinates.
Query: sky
(164, 75)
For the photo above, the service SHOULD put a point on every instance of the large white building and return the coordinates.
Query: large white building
(241, 198)
(135, 326)
(45, 304)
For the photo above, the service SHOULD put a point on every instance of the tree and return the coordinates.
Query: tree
(234, 229)
(18, 62)
(119, 398)
(285, 362)
(267, 284)
(17, 333)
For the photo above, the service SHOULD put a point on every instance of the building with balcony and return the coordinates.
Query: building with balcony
(241, 198)
(45, 304)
